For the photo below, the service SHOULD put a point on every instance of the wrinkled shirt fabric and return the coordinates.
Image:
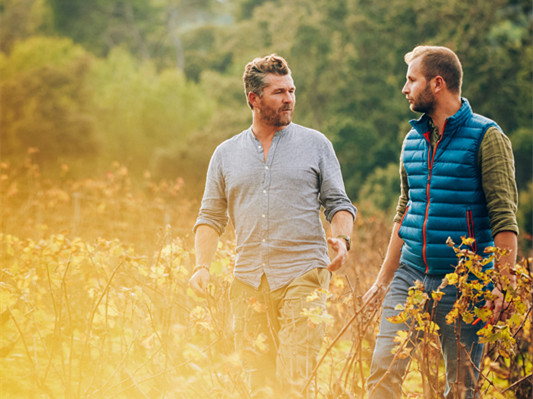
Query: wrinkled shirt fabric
(275, 206)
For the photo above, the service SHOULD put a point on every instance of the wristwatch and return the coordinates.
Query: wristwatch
(347, 239)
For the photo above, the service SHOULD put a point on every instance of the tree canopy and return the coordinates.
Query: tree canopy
(156, 84)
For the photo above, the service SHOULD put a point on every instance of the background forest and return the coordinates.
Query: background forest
(156, 84)
(109, 113)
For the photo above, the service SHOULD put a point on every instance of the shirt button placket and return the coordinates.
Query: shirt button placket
(264, 218)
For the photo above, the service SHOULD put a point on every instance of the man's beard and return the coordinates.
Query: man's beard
(425, 102)
(274, 117)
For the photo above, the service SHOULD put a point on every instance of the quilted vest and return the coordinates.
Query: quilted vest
(446, 197)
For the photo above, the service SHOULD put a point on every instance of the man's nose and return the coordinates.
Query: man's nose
(288, 98)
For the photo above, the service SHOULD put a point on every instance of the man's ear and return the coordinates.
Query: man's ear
(439, 84)
(253, 98)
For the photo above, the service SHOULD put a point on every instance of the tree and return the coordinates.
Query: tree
(21, 19)
(101, 25)
(141, 112)
(346, 57)
(45, 101)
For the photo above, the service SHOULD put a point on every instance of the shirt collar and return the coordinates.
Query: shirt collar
(422, 125)
(277, 134)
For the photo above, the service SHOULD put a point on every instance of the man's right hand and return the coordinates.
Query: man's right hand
(198, 282)
(374, 296)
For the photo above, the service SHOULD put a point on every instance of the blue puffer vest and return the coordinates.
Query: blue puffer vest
(446, 198)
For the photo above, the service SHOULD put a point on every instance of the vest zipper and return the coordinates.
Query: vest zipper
(431, 158)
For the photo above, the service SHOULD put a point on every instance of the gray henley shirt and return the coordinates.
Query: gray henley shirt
(275, 205)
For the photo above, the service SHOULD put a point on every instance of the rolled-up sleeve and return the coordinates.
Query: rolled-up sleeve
(214, 208)
(332, 192)
(498, 177)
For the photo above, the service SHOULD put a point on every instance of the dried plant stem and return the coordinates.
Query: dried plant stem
(89, 327)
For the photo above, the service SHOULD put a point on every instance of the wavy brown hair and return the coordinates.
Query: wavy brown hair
(257, 69)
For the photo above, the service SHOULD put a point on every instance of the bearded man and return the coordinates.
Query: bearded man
(272, 180)
(457, 180)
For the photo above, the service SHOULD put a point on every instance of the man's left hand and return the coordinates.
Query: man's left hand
(500, 309)
(339, 246)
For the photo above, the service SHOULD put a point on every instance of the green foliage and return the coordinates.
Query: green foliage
(21, 19)
(346, 57)
(40, 52)
(381, 189)
(45, 102)
(490, 60)
(74, 107)
(142, 112)
(522, 141)
(100, 25)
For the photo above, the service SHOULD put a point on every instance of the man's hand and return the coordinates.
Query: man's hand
(339, 246)
(374, 296)
(497, 306)
(505, 240)
(199, 281)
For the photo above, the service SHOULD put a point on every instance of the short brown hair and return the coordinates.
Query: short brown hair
(257, 69)
(439, 61)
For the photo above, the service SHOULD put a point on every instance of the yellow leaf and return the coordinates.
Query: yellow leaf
(437, 295)
(259, 343)
(468, 317)
(317, 315)
(313, 297)
(254, 303)
(450, 317)
(401, 318)
(338, 282)
(452, 278)
(483, 313)
(468, 241)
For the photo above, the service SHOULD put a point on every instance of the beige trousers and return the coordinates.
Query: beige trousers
(278, 345)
